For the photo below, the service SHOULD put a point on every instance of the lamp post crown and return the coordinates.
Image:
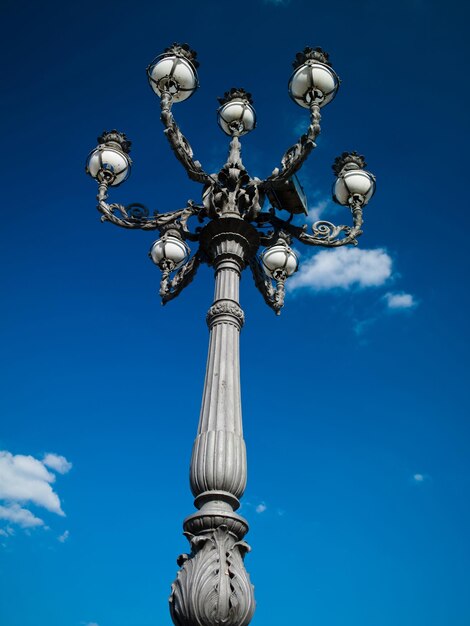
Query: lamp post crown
(349, 160)
(115, 136)
(182, 50)
(311, 54)
(236, 93)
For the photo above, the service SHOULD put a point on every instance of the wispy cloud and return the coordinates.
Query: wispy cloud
(343, 268)
(319, 209)
(25, 479)
(261, 507)
(57, 462)
(63, 537)
(401, 300)
(15, 514)
(419, 478)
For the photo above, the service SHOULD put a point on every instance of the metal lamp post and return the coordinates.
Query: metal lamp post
(212, 587)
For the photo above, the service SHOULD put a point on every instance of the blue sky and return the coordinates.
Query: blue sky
(355, 399)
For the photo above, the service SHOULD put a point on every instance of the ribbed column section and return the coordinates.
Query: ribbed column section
(213, 587)
(219, 457)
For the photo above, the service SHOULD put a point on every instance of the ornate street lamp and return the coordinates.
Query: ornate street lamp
(212, 587)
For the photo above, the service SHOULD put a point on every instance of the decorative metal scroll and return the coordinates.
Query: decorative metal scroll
(136, 216)
(212, 587)
(179, 144)
(170, 288)
(296, 155)
(325, 234)
(274, 297)
(232, 193)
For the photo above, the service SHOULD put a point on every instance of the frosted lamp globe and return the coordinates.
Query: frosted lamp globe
(279, 257)
(109, 164)
(236, 116)
(313, 82)
(174, 74)
(169, 248)
(353, 183)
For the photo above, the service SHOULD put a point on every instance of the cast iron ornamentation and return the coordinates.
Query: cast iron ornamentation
(228, 226)
(212, 587)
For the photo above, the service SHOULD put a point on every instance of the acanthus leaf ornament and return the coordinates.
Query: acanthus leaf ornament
(170, 288)
(212, 587)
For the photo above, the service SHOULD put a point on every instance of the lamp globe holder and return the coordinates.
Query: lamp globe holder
(110, 162)
(174, 72)
(313, 82)
(354, 186)
(236, 115)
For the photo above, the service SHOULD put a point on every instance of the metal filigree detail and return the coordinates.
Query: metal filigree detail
(115, 136)
(136, 215)
(311, 54)
(179, 144)
(325, 234)
(225, 307)
(182, 50)
(346, 160)
(170, 288)
(296, 155)
(236, 93)
(274, 297)
(213, 587)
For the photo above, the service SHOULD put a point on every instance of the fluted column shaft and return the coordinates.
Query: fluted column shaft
(212, 587)
(218, 463)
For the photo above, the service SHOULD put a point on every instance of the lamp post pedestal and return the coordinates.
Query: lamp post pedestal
(212, 587)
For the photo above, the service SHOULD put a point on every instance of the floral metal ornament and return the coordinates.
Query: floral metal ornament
(238, 216)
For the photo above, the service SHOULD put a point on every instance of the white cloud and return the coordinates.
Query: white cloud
(400, 300)
(91, 624)
(57, 462)
(261, 507)
(15, 514)
(419, 478)
(25, 479)
(63, 537)
(317, 210)
(343, 268)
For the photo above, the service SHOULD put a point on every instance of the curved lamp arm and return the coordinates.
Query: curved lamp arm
(136, 215)
(325, 234)
(274, 297)
(296, 155)
(178, 142)
(170, 288)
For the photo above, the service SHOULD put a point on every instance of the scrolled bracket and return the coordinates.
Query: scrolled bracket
(170, 288)
(325, 234)
(136, 216)
(297, 154)
(273, 296)
(179, 144)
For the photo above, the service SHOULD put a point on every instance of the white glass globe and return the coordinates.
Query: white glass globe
(174, 74)
(310, 77)
(353, 182)
(169, 248)
(279, 257)
(236, 116)
(110, 160)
